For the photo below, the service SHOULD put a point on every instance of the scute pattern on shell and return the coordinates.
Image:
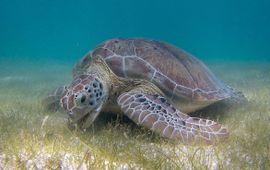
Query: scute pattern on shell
(173, 70)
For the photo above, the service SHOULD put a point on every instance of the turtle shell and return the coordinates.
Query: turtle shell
(176, 72)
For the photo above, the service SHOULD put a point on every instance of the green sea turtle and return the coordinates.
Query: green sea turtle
(153, 83)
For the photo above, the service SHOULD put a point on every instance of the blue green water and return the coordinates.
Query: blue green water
(41, 40)
(58, 30)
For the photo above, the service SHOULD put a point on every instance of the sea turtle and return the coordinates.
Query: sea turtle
(153, 83)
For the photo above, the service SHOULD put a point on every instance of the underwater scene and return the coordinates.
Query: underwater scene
(188, 83)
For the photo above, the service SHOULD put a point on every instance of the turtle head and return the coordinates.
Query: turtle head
(84, 99)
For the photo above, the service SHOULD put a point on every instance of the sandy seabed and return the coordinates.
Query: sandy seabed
(33, 138)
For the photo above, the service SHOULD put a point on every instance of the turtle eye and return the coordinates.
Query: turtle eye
(83, 98)
(80, 99)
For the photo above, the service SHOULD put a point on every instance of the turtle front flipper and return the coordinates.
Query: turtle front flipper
(154, 112)
(52, 101)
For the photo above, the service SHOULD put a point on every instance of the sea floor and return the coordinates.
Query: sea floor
(32, 137)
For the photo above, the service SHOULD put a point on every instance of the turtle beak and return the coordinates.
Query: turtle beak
(75, 117)
(91, 117)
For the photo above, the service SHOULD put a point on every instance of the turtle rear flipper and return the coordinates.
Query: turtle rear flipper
(52, 101)
(155, 113)
(238, 97)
